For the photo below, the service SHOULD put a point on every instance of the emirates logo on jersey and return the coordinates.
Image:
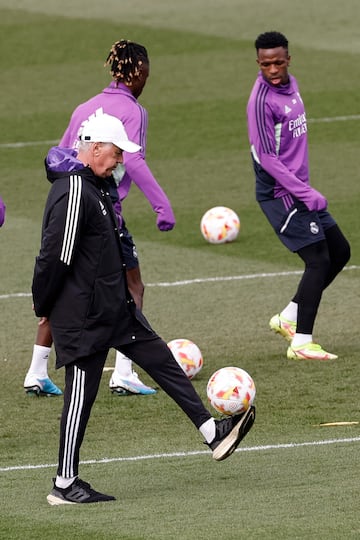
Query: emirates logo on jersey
(102, 208)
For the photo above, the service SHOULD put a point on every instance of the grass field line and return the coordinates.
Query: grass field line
(326, 119)
(261, 448)
(200, 280)
(234, 278)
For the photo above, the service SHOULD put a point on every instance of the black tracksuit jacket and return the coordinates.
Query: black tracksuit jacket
(79, 280)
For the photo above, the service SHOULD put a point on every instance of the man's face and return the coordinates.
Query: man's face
(274, 65)
(106, 157)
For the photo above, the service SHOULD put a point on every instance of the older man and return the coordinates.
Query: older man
(80, 285)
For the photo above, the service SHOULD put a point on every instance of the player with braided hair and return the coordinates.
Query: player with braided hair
(129, 67)
(125, 59)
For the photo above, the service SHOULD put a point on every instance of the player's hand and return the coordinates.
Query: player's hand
(42, 321)
(315, 201)
(165, 224)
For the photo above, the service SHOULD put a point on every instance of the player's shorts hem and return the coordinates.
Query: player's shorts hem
(296, 227)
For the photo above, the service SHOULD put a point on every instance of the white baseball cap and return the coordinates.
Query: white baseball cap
(107, 129)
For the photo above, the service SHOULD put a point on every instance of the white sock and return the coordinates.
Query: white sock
(63, 483)
(123, 365)
(39, 361)
(301, 339)
(208, 430)
(290, 312)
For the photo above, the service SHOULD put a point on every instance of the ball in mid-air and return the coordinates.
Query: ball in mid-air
(220, 225)
(231, 390)
(187, 355)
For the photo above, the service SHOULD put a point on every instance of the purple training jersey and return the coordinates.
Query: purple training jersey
(118, 101)
(277, 131)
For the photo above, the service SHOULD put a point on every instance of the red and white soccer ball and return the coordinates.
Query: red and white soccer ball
(187, 355)
(220, 225)
(231, 390)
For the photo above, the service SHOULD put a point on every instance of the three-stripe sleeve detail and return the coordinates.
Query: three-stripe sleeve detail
(143, 129)
(260, 101)
(72, 218)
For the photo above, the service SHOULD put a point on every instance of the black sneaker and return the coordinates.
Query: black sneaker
(229, 432)
(78, 492)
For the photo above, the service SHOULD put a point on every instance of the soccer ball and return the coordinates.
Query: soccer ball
(219, 225)
(187, 355)
(231, 390)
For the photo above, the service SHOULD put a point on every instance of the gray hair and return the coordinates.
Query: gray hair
(84, 146)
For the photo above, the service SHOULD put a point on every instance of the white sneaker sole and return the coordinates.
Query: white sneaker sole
(56, 501)
(230, 443)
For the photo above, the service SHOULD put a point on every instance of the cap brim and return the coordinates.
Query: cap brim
(128, 146)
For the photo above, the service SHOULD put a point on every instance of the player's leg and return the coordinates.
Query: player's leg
(308, 296)
(280, 215)
(322, 265)
(124, 380)
(82, 379)
(135, 285)
(339, 252)
(37, 381)
(222, 436)
(302, 232)
(332, 258)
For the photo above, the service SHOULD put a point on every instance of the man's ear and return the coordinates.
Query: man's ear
(96, 149)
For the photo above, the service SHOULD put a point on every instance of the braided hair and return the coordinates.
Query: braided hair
(125, 60)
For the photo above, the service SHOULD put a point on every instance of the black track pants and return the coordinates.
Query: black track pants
(323, 261)
(82, 379)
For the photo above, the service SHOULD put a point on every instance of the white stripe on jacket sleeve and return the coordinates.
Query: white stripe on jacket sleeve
(72, 218)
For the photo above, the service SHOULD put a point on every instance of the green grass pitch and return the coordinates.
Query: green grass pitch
(290, 479)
